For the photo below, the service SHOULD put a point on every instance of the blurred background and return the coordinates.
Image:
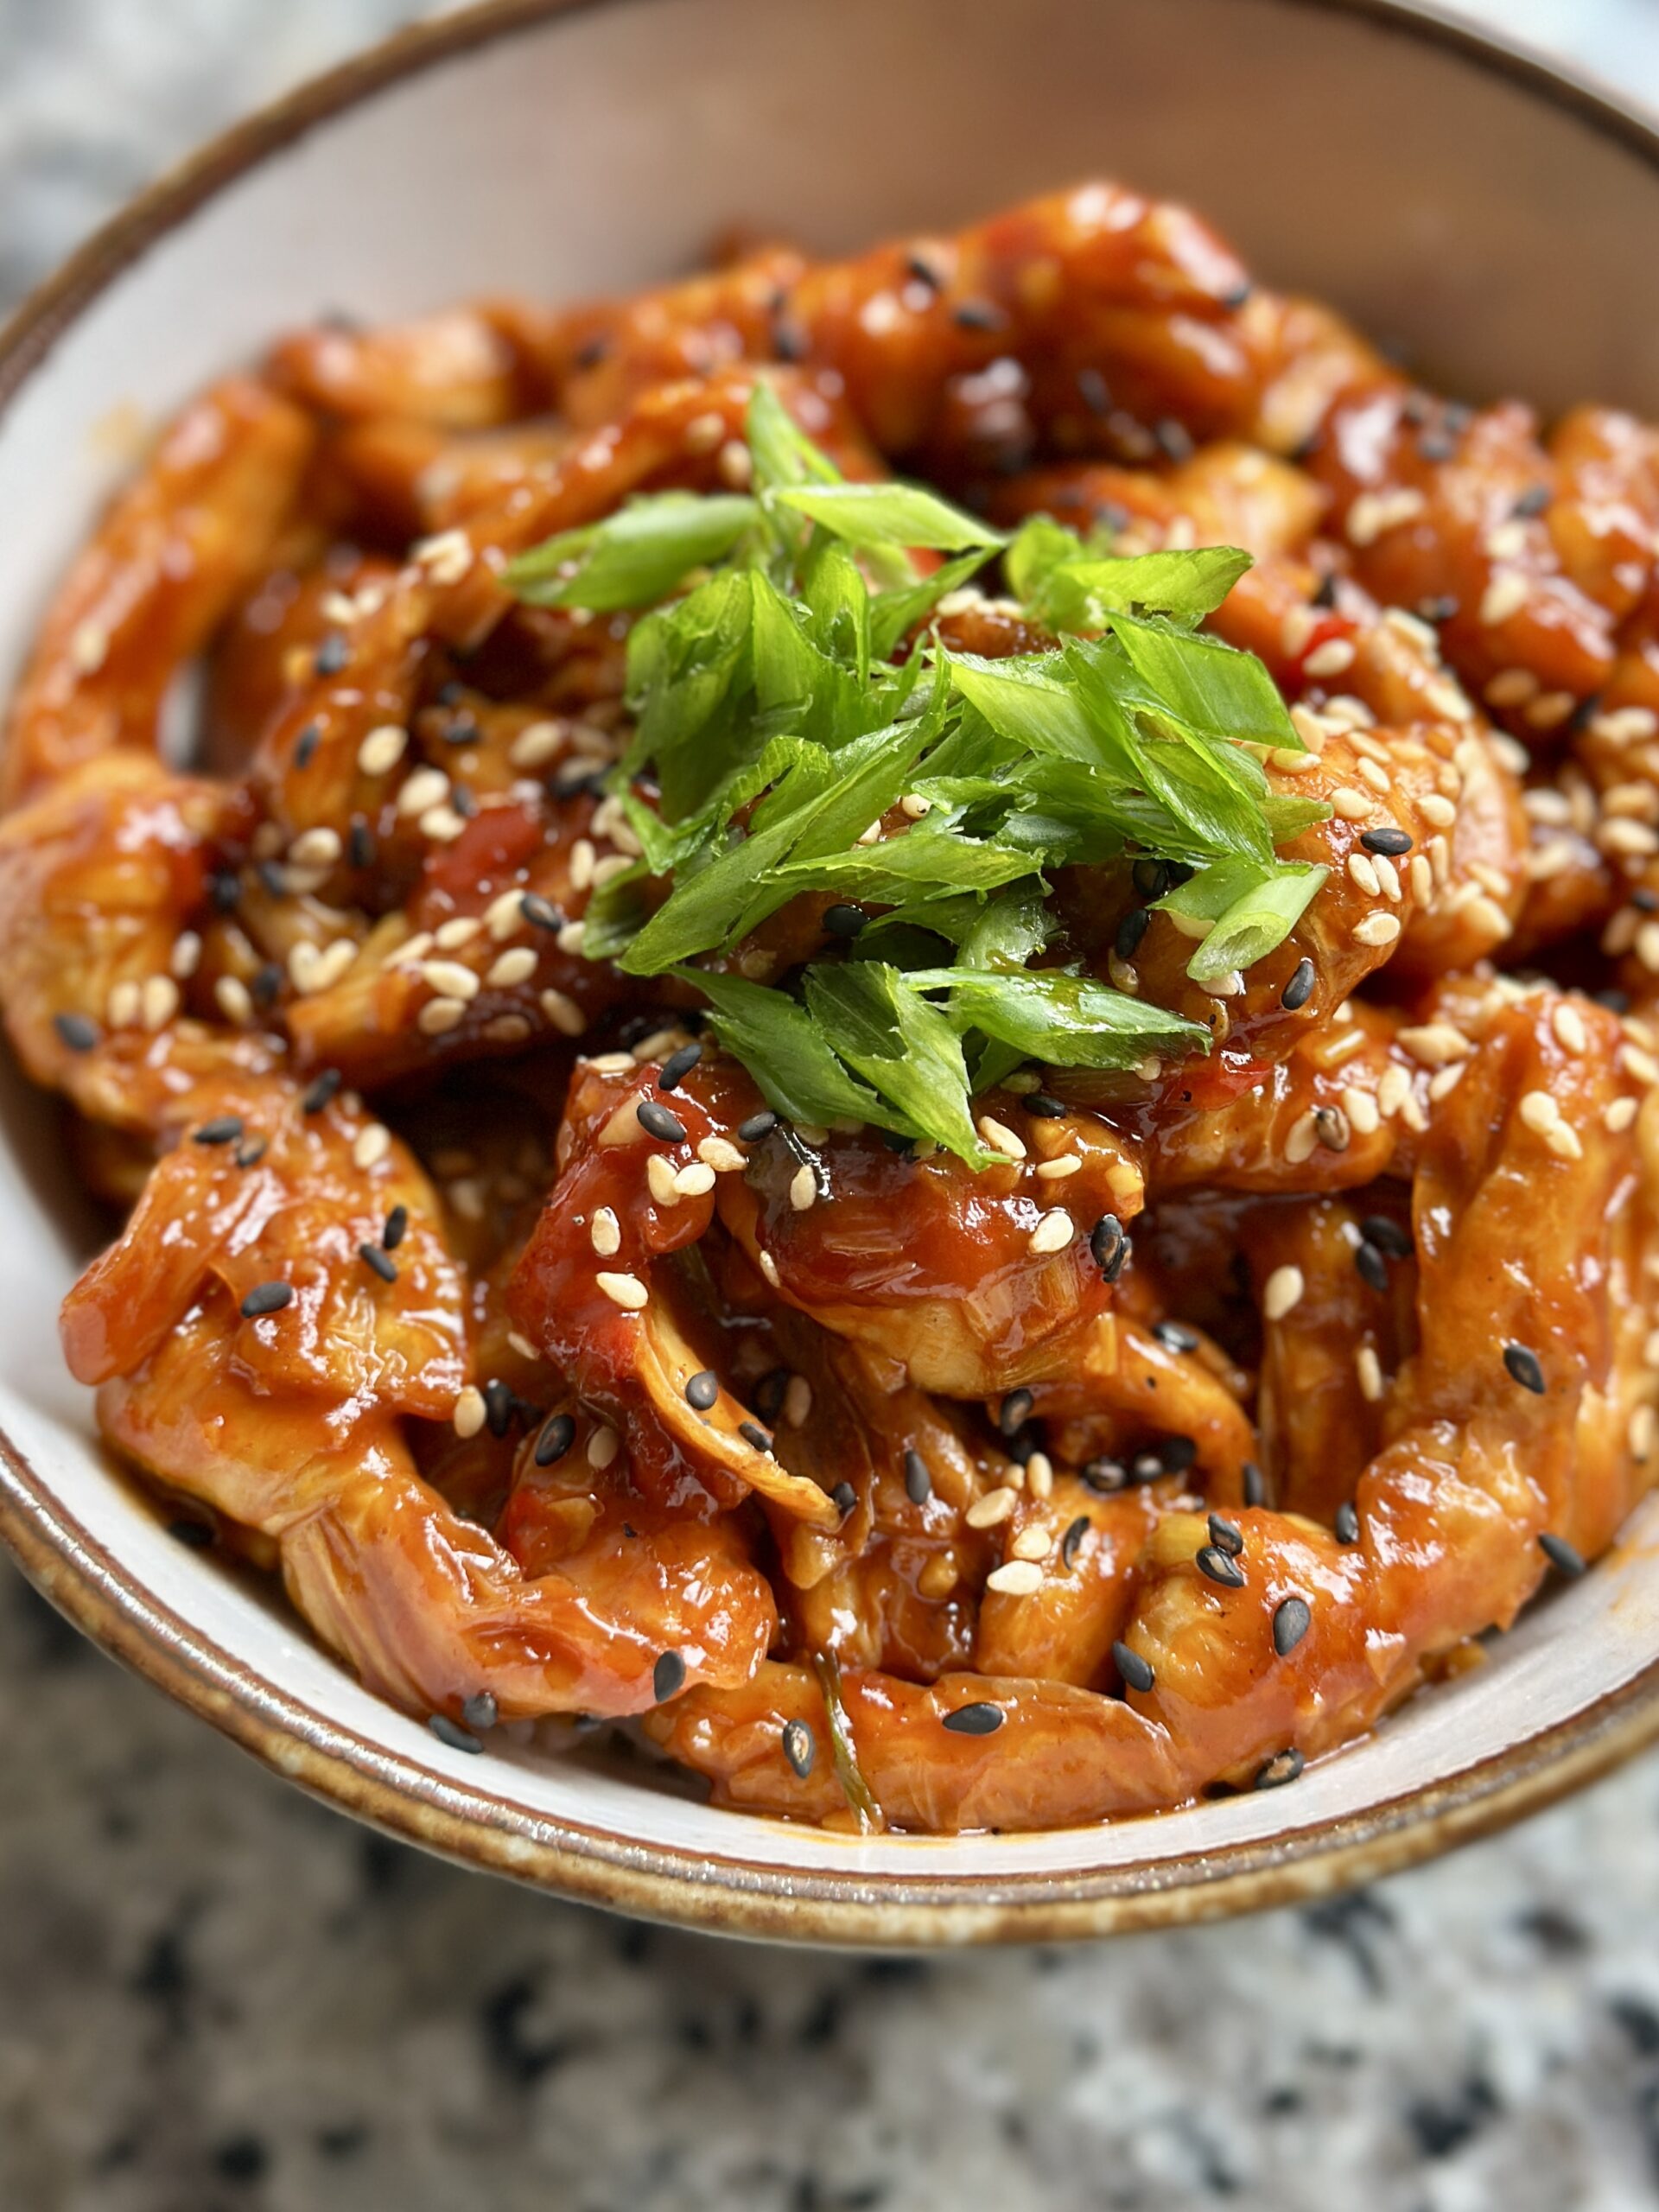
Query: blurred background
(216, 1997)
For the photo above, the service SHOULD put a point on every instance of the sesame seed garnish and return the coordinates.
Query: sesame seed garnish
(452, 1733)
(1388, 840)
(1015, 1578)
(558, 1434)
(1506, 594)
(1372, 1268)
(843, 1498)
(1053, 1233)
(1071, 1541)
(1389, 1235)
(371, 1146)
(981, 1719)
(624, 1290)
(1218, 1566)
(667, 1676)
(266, 1298)
(1619, 1115)
(1001, 1138)
(758, 1126)
(677, 1067)
(1291, 1621)
(396, 1226)
(919, 1481)
(1254, 1484)
(469, 1413)
(76, 1031)
(656, 1120)
(1282, 1292)
(988, 1511)
(510, 968)
(1013, 1411)
(561, 1010)
(1297, 991)
(1110, 1246)
(702, 1389)
(754, 1436)
(1136, 1672)
(378, 1261)
(1564, 1558)
(1226, 1535)
(1330, 658)
(225, 1128)
(1175, 1336)
(1349, 804)
(1368, 1369)
(803, 1188)
(1345, 1522)
(605, 1233)
(602, 1448)
(1282, 1767)
(382, 749)
(1524, 1368)
(320, 1092)
(1377, 929)
(800, 1747)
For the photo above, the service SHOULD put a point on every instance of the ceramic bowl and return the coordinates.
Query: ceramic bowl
(1490, 216)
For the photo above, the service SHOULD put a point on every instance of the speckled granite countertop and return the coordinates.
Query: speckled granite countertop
(215, 1995)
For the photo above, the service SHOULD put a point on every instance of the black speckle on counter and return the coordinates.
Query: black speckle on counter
(242, 2158)
(1443, 2124)
(1639, 2022)
(517, 2053)
(1355, 1922)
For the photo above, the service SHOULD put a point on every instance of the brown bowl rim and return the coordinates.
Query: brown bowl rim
(735, 1895)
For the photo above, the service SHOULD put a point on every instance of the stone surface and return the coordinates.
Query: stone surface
(215, 1995)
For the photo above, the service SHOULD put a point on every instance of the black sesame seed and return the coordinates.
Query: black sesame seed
(1333, 1127)
(1325, 596)
(1390, 1237)
(1255, 1484)
(361, 848)
(753, 1435)
(1015, 1411)
(462, 731)
(194, 1535)
(267, 983)
(1239, 296)
(1532, 501)
(978, 315)
(1442, 608)
(1345, 1522)
(919, 1481)
(842, 920)
(498, 1406)
(396, 1226)
(667, 1676)
(225, 889)
(1136, 1671)
(306, 744)
(333, 655)
(463, 802)
(1226, 1535)
(677, 1067)
(1110, 1246)
(1566, 1558)
(1094, 391)
(702, 1389)
(541, 913)
(558, 1434)
(770, 1392)
(266, 1298)
(1130, 931)
(1071, 1541)
(1176, 1454)
(592, 352)
(321, 1091)
(380, 1262)
(1389, 840)
(1615, 1002)
(758, 1126)
(1217, 1566)
(271, 877)
(981, 1720)
(1174, 439)
(479, 1710)
(894, 1142)
(1282, 1767)
(223, 1128)
(76, 1031)
(251, 1154)
(922, 271)
(1046, 1107)
(843, 1498)
(1297, 991)
(1291, 1621)
(451, 1732)
(1104, 1475)
(1175, 1337)
(657, 1122)
(1150, 878)
(788, 340)
(1372, 1267)
(1523, 1367)
(800, 1747)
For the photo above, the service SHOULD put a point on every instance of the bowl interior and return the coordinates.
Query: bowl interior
(1495, 233)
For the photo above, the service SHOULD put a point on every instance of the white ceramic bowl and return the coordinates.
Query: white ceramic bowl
(1499, 221)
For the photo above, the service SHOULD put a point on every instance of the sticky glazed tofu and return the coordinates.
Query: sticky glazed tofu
(897, 1018)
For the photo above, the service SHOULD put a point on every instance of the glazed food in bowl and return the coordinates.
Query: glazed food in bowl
(893, 1017)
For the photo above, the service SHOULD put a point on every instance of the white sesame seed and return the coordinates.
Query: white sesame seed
(1372, 772)
(1643, 1423)
(124, 1004)
(459, 930)
(1489, 917)
(1035, 1542)
(605, 1233)
(1329, 660)
(234, 999)
(995, 1506)
(1040, 1475)
(1368, 1369)
(1512, 687)
(1057, 1170)
(720, 1154)
(915, 806)
(1016, 1577)
(159, 1001)
(1563, 1141)
(1441, 811)
(425, 788)
(1053, 1232)
(371, 1147)
(798, 1401)
(1001, 1138)
(507, 1028)
(1300, 1139)
(581, 864)
(1433, 1044)
(1621, 835)
(562, 1012)
(1361, 1107)
(1393, 1089)
(735, 465)
(1549, 709)
(1443, 1085)
(1361, 873)
(438, 1016)
(446, 558)
(803, 1188)
(186, 955)
(1626, 725)
(703, 433)
(1422, 878)
(1377, 929)
(536, 744)
(1349, 805)
(442, 824)
(769, 1269)
(449, 978)
(515, 966)
(1568, 1025)
(503, 916)
(1619, 1115)
(317, 847)
(660, 1175)
(88, 645)
(602, 1448)
(1387, 876)
(382, 749)
(1505, 595)
(1538, 1111)
(1282, 1292)
(1507, 541)
(626, 1291)
(469, 1413)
